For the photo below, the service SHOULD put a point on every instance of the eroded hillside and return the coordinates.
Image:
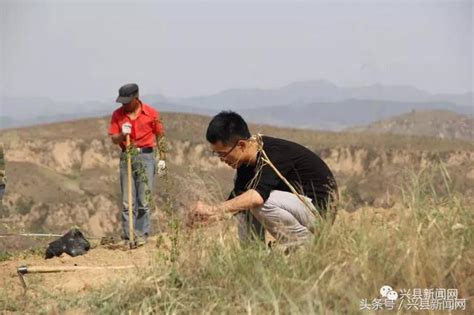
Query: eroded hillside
(435, 123)
(66, 174)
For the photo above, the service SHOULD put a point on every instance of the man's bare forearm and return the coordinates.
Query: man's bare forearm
(117, 139)
(248, 200)
(161, 144)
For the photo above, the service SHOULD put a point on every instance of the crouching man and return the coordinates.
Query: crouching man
(280, 186)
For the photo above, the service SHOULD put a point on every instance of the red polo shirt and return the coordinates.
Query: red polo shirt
(145, 126)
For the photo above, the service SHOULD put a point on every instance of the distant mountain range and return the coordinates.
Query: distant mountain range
(305, 92)
(340, 115)
(308, 104)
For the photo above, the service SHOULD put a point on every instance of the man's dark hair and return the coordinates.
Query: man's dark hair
(227, 127)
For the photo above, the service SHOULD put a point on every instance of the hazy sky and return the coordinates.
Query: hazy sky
(84, 50)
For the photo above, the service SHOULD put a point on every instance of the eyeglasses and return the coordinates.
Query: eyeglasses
(224, 154)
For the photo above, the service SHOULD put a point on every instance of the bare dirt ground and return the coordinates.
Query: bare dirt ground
(70, 282)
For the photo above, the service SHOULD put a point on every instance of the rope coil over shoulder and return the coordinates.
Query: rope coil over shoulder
(265, 160)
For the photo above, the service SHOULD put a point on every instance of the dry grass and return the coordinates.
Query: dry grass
(425, 243)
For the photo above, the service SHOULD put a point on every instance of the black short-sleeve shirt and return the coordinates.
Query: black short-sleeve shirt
(307, 173)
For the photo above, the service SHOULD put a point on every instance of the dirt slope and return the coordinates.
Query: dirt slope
(54, 285)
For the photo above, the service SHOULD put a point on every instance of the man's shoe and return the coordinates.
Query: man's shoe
(140, 241)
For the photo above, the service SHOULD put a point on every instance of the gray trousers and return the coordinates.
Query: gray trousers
(283, 215)
(143, 171)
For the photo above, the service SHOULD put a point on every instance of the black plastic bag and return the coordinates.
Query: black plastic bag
(72, 243)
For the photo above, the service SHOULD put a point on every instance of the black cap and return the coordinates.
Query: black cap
(127, 93)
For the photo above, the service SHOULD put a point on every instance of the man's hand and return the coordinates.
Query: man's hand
(202, 212)
(161, 168)
(126, 128)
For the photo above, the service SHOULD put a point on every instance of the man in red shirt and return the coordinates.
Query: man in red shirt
(142, 123)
